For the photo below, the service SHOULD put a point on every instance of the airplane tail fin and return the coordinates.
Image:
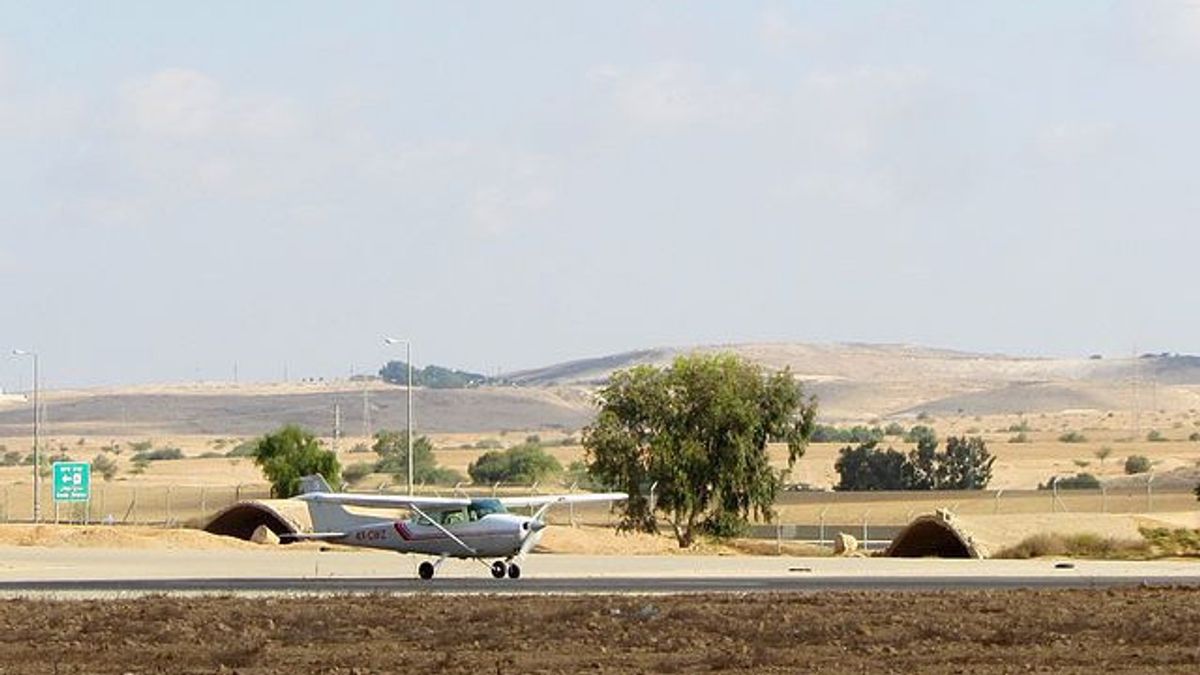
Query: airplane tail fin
(328, 517)
(314, 483)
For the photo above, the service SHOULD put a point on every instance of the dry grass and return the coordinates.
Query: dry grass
(1087, 546)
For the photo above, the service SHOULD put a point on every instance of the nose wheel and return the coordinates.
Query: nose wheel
(425, 570)
(499, 570)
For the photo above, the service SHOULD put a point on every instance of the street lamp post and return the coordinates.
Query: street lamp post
(408, 385)
(37, 479)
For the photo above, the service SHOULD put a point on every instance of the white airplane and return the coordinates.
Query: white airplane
(446, 527)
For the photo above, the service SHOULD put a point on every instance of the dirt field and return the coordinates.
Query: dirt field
(951, 632)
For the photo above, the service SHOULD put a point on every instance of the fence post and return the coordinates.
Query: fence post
(495, 487)
(237, 494)
(1103, 499)
(864, 531)
(822, 532)
(1149, 494)
(203, 501)
(996, 504)
(168, 519)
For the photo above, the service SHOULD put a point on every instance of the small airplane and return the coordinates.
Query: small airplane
(446, 527)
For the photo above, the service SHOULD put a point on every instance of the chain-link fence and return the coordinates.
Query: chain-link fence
(815, 516)
(115, 503)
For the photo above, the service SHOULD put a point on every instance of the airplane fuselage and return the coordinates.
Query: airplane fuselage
(494, 535)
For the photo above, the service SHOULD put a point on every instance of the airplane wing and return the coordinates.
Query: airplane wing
(580, 498)
(383, 501)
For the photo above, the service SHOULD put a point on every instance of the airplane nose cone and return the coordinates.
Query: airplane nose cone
(537, 525)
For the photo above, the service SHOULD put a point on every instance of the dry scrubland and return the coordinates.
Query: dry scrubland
(1112, 404)
(1144, 630)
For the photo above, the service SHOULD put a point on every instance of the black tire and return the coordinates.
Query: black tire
(498, 569)
(514, 571)
(425, 570)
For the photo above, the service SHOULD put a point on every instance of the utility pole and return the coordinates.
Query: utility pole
(366, 412)
(37, 479)
(337, 424)
(408, 385)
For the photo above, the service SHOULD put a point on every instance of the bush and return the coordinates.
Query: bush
(158, 454)
(1075, 546)
(1072, 437)
(357, 471)
(11, 458)
(105, 466)
(1155, 436)
(210, 455)
(921, 434)
(521, 464)
(1136, 464)
(1019, 428)
(243, 449)
(1019, 438)
(1080, 481)
(894, 429)
(1195, 436)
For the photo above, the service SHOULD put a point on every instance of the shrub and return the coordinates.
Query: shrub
(521, 464)
(243, 449)
(919, 434)
(1080, 481)
(1155, 436)
(357, 471)
(1023, 426)
(159, 454)
(11, 458)
(894, 429)
(1019, 438)
(140, 446)
(488, 444)
(1082, 545)
(1103, 453)
(1136, 464)
(1194, 437)
(1072, 437)
(210, 454)
(105, 466)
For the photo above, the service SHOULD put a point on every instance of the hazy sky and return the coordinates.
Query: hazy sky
(186, 186)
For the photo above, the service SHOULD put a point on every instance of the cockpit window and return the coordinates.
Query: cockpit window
(482, 507)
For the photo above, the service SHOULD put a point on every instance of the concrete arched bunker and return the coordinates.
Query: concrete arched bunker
(936, 535)
(281, 516)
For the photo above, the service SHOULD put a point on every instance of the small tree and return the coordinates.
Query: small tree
(1137, 464)
(392, 448)
(966, 465)
(1103, 453)
(105, 466)
(291, 453)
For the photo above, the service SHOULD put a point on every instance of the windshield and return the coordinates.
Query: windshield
(482, 507)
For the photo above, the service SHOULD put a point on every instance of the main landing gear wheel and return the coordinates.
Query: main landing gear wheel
(514, 572)
(425, 570)
(498, 569)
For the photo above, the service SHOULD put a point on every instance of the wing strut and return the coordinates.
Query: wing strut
(446, 532)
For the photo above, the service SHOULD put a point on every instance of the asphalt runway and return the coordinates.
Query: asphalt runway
(798, 583)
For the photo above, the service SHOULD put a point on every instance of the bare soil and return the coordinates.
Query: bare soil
(950, 632)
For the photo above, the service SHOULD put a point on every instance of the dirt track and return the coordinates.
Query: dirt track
(1064, 631)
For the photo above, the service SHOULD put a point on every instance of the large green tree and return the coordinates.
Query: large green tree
(290, 454)
(697, 431)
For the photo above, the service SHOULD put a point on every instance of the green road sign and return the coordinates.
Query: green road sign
(72, 481)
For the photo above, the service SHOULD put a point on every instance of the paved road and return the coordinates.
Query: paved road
(800, 582)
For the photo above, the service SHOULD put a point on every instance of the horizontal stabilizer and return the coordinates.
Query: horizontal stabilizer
(313, 536)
